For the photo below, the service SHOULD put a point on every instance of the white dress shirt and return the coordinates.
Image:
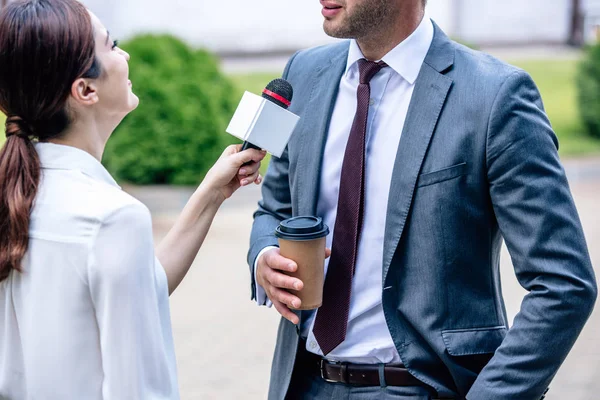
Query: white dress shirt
(368, 339)
(88, 318)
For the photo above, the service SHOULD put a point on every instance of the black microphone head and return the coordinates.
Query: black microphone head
(280, 92)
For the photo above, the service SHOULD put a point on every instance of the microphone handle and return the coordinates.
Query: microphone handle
(248, 145)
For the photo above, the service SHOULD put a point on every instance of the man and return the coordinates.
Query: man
(421, 155)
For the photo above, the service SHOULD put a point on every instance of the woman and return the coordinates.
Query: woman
(84, 310)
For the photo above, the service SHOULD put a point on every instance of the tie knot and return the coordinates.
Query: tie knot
(368, 69)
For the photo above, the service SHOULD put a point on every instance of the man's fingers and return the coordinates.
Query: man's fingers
(283, 281)
(327, 253)
(276, 261)
(285, 312)
(284, 297)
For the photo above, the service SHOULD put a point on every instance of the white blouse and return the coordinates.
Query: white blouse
(88, 318)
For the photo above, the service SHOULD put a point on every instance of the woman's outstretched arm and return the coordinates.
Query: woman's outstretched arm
(178, 249)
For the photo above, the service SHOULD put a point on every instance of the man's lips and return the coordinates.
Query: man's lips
(330, 5)
(330, 9)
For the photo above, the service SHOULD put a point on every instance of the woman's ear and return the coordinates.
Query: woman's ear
(84, 92)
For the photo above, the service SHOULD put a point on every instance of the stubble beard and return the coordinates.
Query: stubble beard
(366, 18)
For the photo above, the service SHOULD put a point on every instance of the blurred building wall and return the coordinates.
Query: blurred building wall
(224, 26)
(236, 26)
(514, 21)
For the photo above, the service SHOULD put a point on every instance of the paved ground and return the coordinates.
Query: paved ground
(219, 333)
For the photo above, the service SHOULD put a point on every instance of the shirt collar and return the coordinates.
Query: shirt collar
(407, 57)
(56, 156)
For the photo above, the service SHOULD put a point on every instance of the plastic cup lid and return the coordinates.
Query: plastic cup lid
(302, 228)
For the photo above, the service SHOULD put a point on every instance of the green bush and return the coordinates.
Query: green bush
(588, 85)
(178, 130)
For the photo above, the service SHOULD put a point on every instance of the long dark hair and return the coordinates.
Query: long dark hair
(45, 45)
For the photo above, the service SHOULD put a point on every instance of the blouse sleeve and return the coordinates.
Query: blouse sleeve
(125, 296)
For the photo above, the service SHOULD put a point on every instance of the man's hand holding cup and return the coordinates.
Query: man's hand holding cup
(293, 275)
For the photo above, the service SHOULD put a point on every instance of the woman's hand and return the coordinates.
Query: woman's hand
(229, 172)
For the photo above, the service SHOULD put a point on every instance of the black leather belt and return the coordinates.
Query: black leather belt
(366, 375)
(358, 374)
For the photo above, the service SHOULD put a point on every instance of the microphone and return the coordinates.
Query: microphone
(264, 122)
(278, 91)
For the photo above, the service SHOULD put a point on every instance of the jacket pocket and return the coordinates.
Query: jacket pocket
(463, 342)
(442, 175)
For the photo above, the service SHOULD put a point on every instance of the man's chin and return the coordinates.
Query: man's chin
(334, 30)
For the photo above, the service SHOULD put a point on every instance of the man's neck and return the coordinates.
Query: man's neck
(382, 41)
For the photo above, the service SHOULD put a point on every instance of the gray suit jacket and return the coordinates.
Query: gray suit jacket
(477, 163)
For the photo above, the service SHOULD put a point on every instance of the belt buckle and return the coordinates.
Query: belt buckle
(322, 368)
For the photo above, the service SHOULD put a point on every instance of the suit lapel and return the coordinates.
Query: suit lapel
(429, 96)
(318, 112)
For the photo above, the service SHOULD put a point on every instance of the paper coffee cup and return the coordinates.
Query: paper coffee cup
(302, 239)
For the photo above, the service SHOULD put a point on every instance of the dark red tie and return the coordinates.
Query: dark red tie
(332, 318)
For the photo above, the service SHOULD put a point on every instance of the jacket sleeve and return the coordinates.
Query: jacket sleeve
(539, 222)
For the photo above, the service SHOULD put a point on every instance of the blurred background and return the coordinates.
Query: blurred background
(267, 26)
(190, 63)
